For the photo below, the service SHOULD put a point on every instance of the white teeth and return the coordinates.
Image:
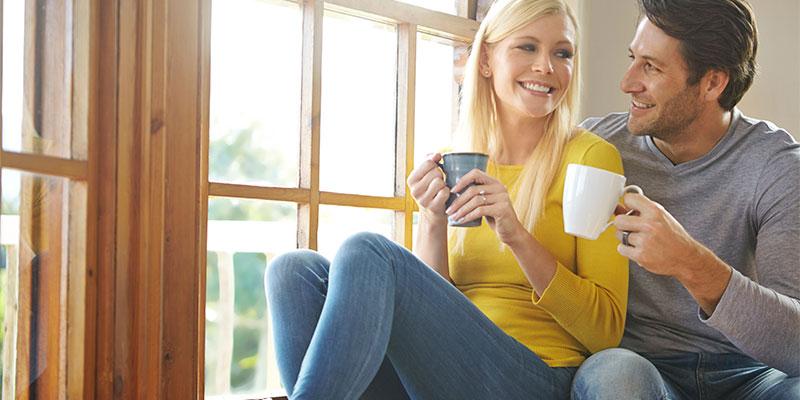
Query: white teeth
(536, 88)
(642, 105)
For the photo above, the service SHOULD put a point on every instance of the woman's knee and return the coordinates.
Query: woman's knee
(364, 245)
(365, 241)
(617, 372)
(292, 265)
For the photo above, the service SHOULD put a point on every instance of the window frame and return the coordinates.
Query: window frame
(409, 20)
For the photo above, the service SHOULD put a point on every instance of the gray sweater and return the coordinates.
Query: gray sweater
(742, 201)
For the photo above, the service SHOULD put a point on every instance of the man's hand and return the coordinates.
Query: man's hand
(659, 244)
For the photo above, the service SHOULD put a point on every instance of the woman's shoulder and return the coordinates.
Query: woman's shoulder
(586, 142)
(588, 148)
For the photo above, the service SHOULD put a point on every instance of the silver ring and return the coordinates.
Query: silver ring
(625, 235)
(482, 192)
(483, 199)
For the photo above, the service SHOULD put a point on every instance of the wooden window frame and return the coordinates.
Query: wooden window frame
(57, 86)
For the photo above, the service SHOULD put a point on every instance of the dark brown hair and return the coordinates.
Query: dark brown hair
(714, 35)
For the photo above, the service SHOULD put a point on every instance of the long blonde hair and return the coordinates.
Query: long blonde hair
(478, 116)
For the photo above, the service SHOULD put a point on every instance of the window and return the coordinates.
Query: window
(306, 159)
(44, 186)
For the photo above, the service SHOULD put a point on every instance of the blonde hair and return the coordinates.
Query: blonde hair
(478, 116)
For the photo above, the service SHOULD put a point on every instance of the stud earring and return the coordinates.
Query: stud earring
(486, 73)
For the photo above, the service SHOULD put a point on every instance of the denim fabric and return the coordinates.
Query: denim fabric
(623, 374)
(378, 323)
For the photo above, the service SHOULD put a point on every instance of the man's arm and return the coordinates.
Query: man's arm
(760, 318)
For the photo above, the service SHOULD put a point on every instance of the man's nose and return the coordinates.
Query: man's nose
(630, 81)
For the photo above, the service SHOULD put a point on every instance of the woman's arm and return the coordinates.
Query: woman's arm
(426, 185)
(431, 246)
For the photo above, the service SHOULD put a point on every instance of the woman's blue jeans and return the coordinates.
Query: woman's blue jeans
(378, 323)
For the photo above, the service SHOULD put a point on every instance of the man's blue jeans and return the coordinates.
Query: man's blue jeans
(623, 374)
(378, 323)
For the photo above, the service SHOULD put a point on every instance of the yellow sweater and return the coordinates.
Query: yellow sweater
(582, 311)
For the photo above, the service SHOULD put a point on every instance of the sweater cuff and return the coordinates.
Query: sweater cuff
(562, 298)
(725, 312)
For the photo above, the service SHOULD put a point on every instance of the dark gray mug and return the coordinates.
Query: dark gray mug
(455, 166)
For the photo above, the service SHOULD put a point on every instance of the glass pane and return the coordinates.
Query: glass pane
(41, 216)
(436, 110)
(13, 41)
(38, 78)
(445, 6)
(9, 270)
(243, 235)
(255, 92)
(337, 223)
(359, 82)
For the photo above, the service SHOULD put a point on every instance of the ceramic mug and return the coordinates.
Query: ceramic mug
(455, 166)
(590, 197)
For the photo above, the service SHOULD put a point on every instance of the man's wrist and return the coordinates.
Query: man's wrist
(706, 278)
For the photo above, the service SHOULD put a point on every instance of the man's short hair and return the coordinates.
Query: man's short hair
(714, 35)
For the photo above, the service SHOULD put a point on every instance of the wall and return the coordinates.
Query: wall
(608, 26)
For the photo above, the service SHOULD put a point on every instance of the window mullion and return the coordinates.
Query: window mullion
(404, 159)
(308, 214)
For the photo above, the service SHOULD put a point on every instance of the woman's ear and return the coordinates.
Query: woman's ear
(483, 62)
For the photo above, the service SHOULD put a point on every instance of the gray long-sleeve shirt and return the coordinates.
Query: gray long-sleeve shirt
(742, 201)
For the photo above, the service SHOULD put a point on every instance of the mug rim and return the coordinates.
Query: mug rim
(594, 168)
(465, 153)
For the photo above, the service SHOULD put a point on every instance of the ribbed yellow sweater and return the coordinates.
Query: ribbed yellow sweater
(583, 309)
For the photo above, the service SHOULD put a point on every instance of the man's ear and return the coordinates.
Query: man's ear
(713, 84)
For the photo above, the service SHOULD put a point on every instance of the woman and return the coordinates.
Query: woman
(522, 304)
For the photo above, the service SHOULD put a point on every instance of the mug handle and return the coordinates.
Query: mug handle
(627, 189)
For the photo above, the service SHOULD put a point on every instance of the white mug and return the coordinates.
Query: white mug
(590, 197)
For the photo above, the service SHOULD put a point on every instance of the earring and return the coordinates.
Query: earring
(486, 73)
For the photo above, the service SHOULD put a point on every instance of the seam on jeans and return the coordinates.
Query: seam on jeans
(698, 377)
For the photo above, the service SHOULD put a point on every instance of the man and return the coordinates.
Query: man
(714, 244)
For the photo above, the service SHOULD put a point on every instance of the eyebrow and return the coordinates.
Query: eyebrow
(565, 41)
(651, 59)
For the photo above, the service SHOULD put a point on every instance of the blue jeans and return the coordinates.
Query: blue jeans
(378, 323)
(623, 374)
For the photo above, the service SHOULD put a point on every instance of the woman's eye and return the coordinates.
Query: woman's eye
(528, 47)
(564, 54)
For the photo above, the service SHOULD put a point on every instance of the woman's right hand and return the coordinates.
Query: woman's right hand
(426, 183)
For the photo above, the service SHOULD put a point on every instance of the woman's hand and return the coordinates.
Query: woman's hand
(426, 183)
(487, 198)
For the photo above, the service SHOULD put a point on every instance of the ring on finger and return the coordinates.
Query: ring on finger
(625, 238)
(482, 193)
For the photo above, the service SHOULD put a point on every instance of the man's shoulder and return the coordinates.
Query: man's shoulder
(607, 126)
(765, 140)
(765, 130)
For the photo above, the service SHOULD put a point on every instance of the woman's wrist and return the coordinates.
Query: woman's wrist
(432, 217)
(520, 237)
